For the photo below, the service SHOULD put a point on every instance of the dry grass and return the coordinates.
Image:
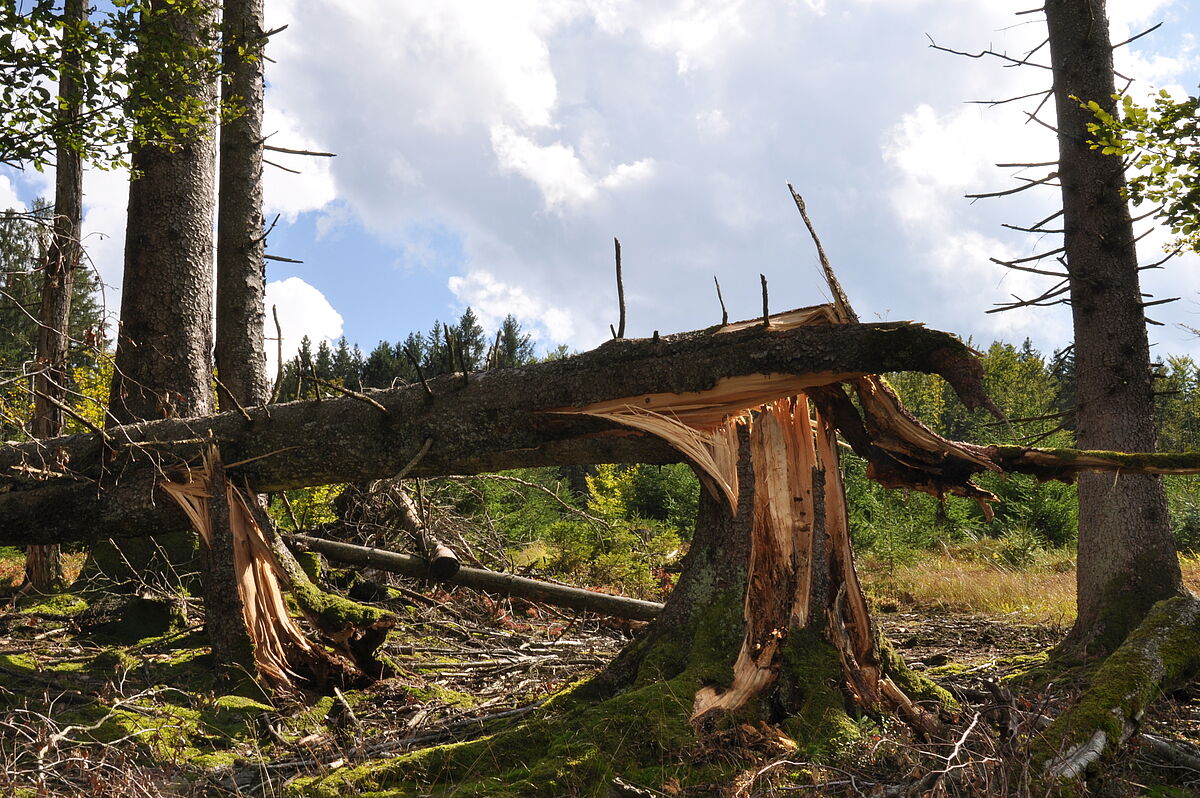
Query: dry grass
(1042, 593)
(12, 569)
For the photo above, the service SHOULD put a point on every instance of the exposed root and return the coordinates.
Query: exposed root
(1161, 655)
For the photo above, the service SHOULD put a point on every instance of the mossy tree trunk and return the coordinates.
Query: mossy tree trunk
(1127, 559)
(768, 615)
(766, 630)
(43, 564)
(241, 272)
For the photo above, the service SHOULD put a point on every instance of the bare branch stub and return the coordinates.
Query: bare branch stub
(1146, 32)
(1016, 190)
(994, 103)
(290, 151)
(282, 259)
(990, 53)
(721, 299)
(1013, 264)
(620, 291)
(281, 166)
(840, 300)
(766, 309)
(420, 374)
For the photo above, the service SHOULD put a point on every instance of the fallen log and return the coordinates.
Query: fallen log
(482, 579)
(84, 487)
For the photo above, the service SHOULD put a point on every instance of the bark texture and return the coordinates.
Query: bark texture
(43, 564)
(1161, 655)
(163, 366)
(241, 276)
(1127, 560)
(80, 487)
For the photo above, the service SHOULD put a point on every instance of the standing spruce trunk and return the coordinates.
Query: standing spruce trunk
(241, 277)
(1127, 559)
(163, 364)
(43, 564)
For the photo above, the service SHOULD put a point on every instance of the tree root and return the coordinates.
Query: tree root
(1161, 655)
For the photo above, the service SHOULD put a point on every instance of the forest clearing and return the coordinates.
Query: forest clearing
(803, 551)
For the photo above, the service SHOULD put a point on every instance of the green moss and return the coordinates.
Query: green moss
(234, 714)
(331, 612)
(311, 563)
(916, 686)
(123, 619)
(443, 695)
(56, 604)
(585, 736)
(1163, 652)
(818, 720)
(111, 660)
(19, 663)
(124, 565)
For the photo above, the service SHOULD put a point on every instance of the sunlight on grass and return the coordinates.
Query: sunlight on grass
(942, 581)
(12, 567)
(953, 580)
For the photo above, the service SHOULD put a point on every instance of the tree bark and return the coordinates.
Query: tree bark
(163, 365)
(1161, 655)
(163, 362)
(241, 276)
(506, 418)
(43, 564)
(1127, 560)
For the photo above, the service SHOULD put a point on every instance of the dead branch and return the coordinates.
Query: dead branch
(620, 291)
(290, 151)
(483, 579)
(989, 53)
(1017, 190)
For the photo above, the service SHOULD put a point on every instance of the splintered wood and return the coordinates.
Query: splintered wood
(277, 639)
(801, 568)
(778, 589)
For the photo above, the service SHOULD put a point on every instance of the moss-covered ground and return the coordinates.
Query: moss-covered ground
(87, 712)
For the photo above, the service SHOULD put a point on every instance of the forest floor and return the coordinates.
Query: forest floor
(92, 711)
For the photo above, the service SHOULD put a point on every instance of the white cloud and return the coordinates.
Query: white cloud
(492, 300)
(697, 34)
(557, 171)
(528, 134)
(286, 193)
(712, 122)
(8, 195)
(303, 310)
(105, 203)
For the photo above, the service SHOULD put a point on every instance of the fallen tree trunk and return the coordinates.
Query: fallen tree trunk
(102, 485)
(482, 579)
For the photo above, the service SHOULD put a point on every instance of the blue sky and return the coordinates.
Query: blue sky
(488, 153)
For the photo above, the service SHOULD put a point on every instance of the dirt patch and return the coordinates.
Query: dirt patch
(938, 638)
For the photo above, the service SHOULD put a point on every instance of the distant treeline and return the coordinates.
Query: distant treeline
(446, 348)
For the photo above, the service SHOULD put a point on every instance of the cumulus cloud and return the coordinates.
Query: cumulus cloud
(8, 195)
(492, 300)
(557, 171)
(532, 132)
(303, 310)
(287, 193)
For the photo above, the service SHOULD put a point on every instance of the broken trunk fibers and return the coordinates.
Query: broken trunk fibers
(280, 651)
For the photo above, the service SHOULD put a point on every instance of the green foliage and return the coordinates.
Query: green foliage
(389, 365)
(136, 65)
(1185, 526)
(1162, 143)
(309, 507)
(23, 242)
